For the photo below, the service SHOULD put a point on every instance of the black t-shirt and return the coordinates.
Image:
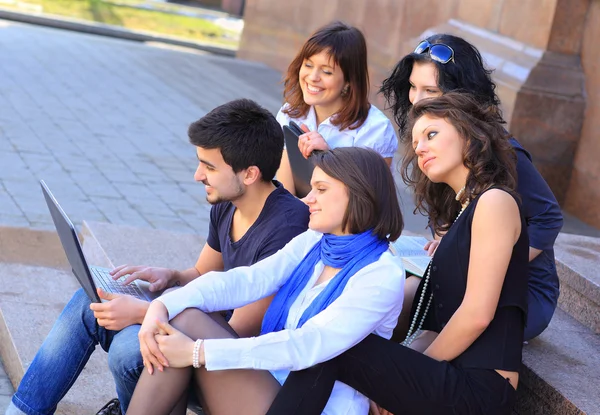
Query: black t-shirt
(282, 218)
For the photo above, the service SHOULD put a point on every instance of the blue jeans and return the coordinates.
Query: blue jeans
(66, 350)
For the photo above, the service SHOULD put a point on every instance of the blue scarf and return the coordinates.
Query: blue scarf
(351, 253)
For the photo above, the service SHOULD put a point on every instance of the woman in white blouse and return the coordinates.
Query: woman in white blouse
(326, 90)
(336, 284)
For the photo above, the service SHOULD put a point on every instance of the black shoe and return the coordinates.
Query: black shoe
(113, 407)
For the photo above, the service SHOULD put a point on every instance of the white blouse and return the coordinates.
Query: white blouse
(370, 303)
(377, 132)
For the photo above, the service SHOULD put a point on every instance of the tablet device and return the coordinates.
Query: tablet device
(296, 128)
(301, 168)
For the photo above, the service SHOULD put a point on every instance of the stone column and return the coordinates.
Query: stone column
(583, 196)
(550, 107)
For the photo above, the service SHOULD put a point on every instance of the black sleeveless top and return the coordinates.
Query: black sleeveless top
(500, 345)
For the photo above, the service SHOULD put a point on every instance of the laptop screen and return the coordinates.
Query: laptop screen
(70, 242)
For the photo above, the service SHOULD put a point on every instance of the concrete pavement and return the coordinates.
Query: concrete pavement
(6, 390)
(103, 122)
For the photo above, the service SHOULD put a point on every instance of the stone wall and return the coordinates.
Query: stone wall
(544, 53)
(274, 30)
(583, 197)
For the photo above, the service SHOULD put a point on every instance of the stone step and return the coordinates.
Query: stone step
(577, 263)
(6, 390)
(36, 283)
(561, 370)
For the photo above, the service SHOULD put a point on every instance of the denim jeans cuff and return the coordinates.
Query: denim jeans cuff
(23, 407)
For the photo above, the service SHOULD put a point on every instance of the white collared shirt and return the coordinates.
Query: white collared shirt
(377, 132)
(370, 303)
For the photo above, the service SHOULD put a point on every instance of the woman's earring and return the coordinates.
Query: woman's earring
(345, 90)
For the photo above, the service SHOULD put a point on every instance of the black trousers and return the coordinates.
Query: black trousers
(400, 380)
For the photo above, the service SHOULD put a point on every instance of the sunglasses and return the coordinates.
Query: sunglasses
(438, 52)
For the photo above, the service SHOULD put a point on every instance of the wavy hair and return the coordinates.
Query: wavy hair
(488, 155)
(466, 73)
(347, 47)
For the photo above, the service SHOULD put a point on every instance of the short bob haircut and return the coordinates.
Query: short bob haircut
(347, 47)
(373, 203)
(487, 153)
(466, 72)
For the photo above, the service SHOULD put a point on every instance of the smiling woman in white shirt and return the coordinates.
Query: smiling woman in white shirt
(326, 90)
(336, 284)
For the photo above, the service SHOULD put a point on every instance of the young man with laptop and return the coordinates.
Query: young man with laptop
(239, 147)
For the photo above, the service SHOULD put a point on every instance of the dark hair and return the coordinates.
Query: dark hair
(245, 133)
(488, 155)
(373, 203)
(347, 47)
(466, 72)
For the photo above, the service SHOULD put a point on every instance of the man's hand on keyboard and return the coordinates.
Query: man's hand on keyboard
(159, 278)
(119, 311)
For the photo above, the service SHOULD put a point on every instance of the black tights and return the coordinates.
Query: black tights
(221, 392)
(398, 379)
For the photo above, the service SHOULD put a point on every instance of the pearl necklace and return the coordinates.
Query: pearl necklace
(412, 331)
(458, 196)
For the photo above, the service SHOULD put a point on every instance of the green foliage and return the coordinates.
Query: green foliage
(122, 13)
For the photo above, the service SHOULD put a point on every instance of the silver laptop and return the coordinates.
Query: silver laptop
(89, 277)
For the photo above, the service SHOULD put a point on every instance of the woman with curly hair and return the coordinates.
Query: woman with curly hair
(466, 333)
(443, 63)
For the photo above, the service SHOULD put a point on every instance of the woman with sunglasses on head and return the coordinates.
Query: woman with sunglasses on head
(472, 302)
(335, 285)
(326, 90)
(443, 63)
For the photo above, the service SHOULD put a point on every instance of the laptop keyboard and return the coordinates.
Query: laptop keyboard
(104, 280)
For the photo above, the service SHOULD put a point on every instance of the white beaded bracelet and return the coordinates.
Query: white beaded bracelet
(195, 353)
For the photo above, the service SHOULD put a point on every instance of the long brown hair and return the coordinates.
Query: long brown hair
(347, 47)
(488, 155)
(373, 201)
